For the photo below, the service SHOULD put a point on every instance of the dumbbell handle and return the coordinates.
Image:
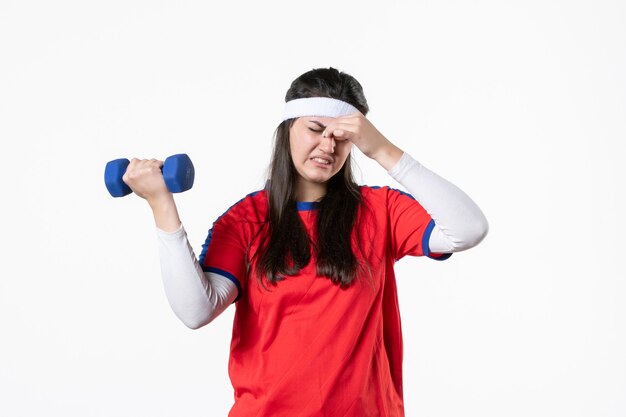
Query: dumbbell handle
(178, 173)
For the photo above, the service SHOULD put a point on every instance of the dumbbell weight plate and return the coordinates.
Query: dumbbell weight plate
(178, 173)
(113, 173)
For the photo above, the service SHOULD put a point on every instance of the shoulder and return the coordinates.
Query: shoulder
(384, 193)
(387, 201)
(255, 199)
(251, 207)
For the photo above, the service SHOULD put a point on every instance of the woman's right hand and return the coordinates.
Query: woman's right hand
(145, 178)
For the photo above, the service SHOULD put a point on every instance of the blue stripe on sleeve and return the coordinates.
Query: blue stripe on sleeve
(426, 239)
(377, 187)
(227, 275)
(207, 242)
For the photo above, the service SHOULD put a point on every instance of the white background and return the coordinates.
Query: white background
(521, 104)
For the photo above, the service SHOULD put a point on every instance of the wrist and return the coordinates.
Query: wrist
(387, 156)
(161, 201)
(165, 213)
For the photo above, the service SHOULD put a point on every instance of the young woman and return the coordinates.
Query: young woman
(308, 260)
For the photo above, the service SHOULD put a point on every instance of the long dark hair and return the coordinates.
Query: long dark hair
(286, 247)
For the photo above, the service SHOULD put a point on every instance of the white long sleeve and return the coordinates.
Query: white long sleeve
(196, 297)
(459, 222)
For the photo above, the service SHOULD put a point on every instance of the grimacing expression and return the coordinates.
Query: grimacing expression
(316, 159)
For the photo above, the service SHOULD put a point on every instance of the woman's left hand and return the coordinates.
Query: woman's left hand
(361, 132)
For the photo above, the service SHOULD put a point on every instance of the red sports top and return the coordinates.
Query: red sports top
(307, 347)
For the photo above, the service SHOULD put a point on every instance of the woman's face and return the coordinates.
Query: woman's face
(316, 158)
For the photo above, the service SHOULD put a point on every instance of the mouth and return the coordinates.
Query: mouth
(322, 160)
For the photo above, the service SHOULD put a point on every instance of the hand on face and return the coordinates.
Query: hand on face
(358, 130)
(320, 146)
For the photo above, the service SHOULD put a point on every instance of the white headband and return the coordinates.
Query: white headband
(317, 106)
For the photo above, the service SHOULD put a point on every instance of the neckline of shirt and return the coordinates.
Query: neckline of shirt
(307, 205)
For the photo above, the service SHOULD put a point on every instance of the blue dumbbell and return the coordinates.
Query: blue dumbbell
(178, 173)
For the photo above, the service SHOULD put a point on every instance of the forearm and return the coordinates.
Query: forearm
(460, 223)
(195, 297)
(388, 155)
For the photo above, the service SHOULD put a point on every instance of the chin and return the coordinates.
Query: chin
(320, 178)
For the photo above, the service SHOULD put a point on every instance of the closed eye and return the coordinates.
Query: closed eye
(321, 126)
(315, 130)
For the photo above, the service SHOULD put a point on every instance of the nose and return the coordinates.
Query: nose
(327, 144)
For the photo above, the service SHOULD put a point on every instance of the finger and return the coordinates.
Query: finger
(355, 115)
(133, 163)
(354, 118)
(341, 131)
(156, 162)
(148, 163)
(151, 167)
(343, 134)
(140, 167)
(336, 124)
